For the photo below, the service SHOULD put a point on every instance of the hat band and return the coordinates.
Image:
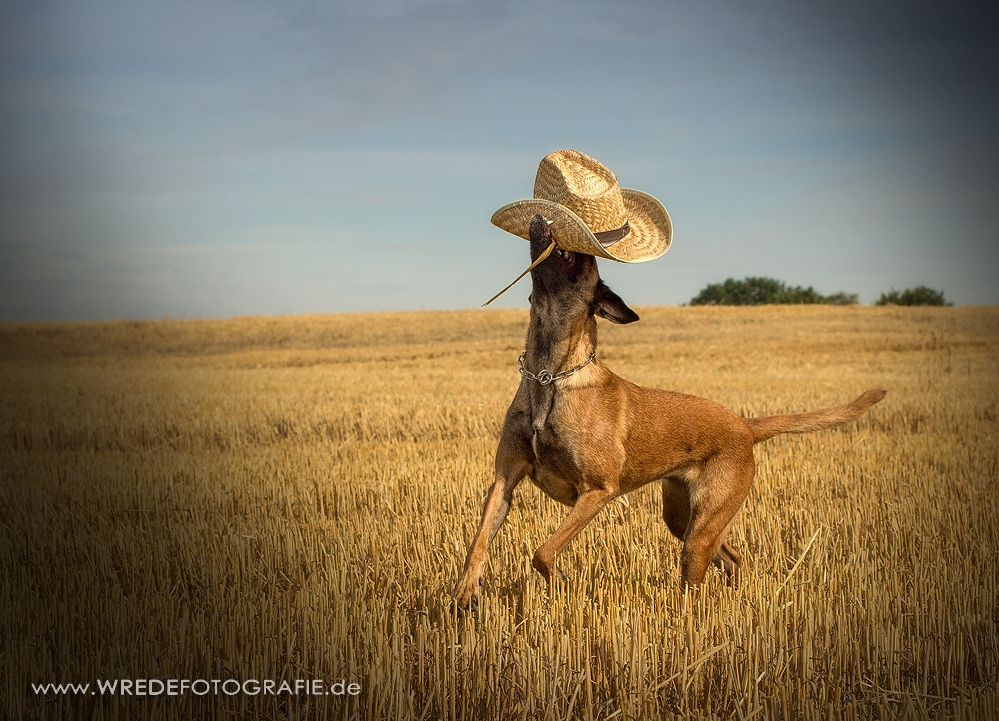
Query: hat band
(609, 237)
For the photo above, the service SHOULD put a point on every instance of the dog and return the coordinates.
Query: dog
(586, 436)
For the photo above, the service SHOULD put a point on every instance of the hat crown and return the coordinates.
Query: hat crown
(584, 186)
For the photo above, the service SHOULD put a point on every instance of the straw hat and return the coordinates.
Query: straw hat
(589, 212)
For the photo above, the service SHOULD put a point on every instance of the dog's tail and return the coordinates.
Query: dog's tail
(770, 426)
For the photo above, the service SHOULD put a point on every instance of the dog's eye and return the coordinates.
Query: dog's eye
(565, 255)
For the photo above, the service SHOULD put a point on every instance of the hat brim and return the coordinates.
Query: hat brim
(650, 235)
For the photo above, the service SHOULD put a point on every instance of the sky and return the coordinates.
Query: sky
(212, 159)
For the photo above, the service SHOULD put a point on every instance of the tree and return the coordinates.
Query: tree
(841, 298)
(920, 295)
(765, 291)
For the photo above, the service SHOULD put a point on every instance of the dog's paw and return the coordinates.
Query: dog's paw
(548, 570)
(466, 597)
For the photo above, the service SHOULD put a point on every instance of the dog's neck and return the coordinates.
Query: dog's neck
(557, 345)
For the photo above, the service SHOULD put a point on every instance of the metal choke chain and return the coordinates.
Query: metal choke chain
(544, 377)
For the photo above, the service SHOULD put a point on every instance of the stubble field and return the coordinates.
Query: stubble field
(292, 498)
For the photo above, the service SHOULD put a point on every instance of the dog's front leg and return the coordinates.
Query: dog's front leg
(587, 506)
(511, 467)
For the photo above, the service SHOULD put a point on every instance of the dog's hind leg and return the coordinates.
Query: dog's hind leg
(728, 560)
(715, 502)
(676, 507)
(676, 514)
(512, 465)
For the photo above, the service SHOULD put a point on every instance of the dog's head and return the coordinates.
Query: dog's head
(568, 283)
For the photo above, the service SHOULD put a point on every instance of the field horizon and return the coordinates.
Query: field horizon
(291, 497)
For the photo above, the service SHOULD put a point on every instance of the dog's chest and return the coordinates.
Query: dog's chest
(555, 442)
(547, 444)
(555, 470)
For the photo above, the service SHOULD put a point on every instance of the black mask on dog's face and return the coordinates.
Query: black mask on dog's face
(570, 280)
(561, 266)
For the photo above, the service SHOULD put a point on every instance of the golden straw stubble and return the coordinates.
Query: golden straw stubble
(291, 498)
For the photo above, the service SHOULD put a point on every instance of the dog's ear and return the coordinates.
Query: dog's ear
(608, 304)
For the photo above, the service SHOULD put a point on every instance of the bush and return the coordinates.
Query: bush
(920, 295)
(841, 298)
(765, 291)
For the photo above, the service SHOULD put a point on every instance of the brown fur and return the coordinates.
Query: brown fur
(593, 436)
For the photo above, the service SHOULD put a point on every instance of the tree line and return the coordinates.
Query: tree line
(767, 291)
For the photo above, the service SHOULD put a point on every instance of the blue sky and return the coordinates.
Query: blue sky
(210, 159)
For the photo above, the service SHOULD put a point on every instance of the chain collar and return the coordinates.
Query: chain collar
(545, 377)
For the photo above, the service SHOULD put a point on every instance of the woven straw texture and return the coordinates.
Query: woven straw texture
(584, 186)
(582, 197)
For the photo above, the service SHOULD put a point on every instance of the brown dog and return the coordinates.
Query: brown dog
(587, 436)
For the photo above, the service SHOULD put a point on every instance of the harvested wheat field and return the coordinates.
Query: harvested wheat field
(290, 499)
